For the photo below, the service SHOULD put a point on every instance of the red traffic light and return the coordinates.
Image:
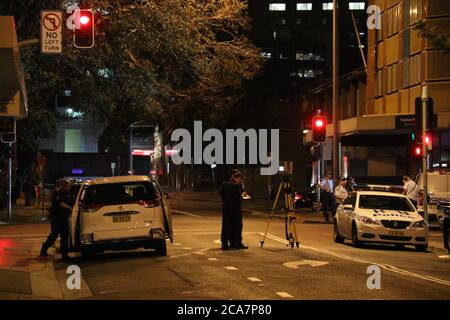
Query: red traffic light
(83, 34)
(318, 123)
(417, 150)
(84, 19)
(319, 129)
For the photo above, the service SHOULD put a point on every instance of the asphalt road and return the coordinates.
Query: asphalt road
(196, 268)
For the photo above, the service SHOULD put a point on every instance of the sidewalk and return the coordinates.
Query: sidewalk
(23, 274)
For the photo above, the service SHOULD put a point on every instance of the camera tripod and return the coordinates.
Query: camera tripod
(290, 227)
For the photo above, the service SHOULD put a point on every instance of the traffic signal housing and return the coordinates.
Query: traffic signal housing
(418, 116)
(319, 129)
(83, 34)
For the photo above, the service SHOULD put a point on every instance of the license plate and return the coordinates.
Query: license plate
(118, 219)
(432, 207)
(396, 233)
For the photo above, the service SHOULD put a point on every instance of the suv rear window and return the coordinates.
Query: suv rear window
(384, 203)
(119, 193)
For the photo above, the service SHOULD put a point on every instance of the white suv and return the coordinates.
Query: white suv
(439, 196)
(118, 213)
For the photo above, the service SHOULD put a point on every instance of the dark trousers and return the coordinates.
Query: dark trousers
(446, 231)
(59, 227)
(329, 204)
(231, 226)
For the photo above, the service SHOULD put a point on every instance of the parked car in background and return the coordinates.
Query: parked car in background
(438, 196)
(118, 213)
(307, 199)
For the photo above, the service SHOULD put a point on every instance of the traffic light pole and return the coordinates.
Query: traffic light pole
(424, 153)
(10, 181)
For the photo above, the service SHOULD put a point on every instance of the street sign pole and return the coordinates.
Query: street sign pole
(424, 153)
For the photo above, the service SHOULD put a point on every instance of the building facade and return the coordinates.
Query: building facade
(376, 140)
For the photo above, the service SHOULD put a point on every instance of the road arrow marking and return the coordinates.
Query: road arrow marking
(284, 294)
(312, 263)
(231, 268)
(254, 279)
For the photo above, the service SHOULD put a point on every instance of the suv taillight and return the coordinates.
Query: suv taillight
(149, 203)
(421, 198)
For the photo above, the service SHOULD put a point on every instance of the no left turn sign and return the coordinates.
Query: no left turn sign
(51, 32)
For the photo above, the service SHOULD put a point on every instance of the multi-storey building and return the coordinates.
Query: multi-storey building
(376, 138)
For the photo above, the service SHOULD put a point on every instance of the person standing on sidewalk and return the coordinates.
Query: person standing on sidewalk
(328, 198)
(231, 236)
(410, 190)
(341, 191)
(62, 203)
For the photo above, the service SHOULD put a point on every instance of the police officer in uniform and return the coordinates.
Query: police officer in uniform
(232, 213)
(62, 203)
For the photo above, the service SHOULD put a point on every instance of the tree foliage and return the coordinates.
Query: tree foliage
(170, 61)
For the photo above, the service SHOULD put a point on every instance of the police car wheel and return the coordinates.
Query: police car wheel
(355, 242)
(336, 235)
(422, 247)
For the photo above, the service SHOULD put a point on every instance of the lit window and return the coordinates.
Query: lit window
(304, 6)
(356, 5)
(277, 7)
(308, 57)
(327, 6)
(266, 54)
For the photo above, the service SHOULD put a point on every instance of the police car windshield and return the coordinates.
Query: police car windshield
(119, 193)
(384, 203)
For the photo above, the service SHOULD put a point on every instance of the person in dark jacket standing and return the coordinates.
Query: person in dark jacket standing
(232, 213)
(62, 203)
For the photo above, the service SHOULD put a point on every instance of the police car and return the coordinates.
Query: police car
(380, 217)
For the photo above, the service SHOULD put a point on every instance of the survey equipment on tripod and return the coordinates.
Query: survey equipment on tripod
(291, 230)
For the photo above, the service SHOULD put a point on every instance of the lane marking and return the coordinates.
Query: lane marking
(187, 248)
(284, 294)
(231, 268)
(446, 256)
(217, 241)
(190, 253)
(312, 263)
(381, 265)
(187, 213)
(254, 279)
(176, 244)
(213, 259)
